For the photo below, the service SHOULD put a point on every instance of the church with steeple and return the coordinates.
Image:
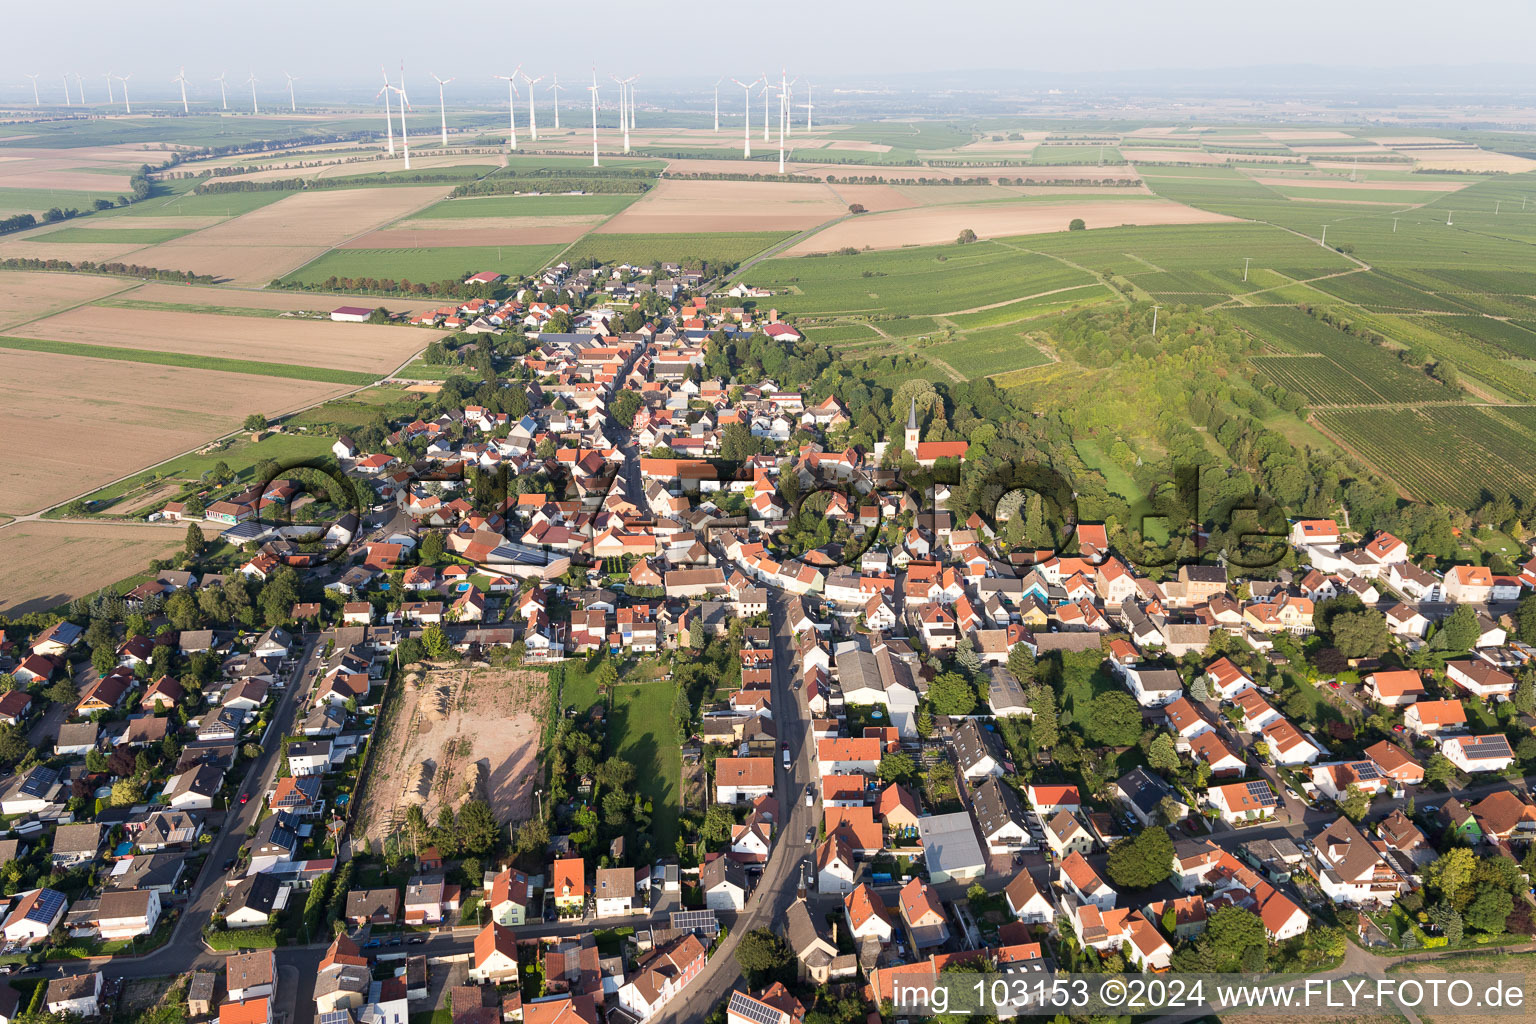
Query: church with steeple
(929, 452)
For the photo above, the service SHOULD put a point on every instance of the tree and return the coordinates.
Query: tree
(1076, 224)
(1489, 911)
(718, 822)
(1021, 662)
(1439, 768)
(764, 957)
(194, 543)
(1361, 634)
(1525, 618)
(952, 694)
(1142, 861)
(1524, 697)
(1044, 729)
(897, 766)
(435, 641)
(1114, 720)
(1449, 872)
(1198, 689)
(63, 691)
(1459, 632)
(255, 421)
(127, 792)
(478, 830)
(965, 237)
(14, 745)
(1161, 755)
(431, 548)
(1354, 803)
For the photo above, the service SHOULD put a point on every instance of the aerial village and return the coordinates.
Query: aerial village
(930, 744)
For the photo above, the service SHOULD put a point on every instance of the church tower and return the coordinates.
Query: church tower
(911, 436)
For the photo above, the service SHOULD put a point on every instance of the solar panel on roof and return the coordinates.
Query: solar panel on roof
(702, 922)
(1367, 771)
(1259, 790)
(49, 902)
(744, 1005)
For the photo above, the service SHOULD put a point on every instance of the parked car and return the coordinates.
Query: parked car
(810, 836)
(810, 796)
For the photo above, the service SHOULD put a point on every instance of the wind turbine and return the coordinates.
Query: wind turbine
(442, 107)
(533, 117)
(512, 95)
(36, 100)
(766, 89)
(624, 101)
(181, 77)
(717, 104)
(127, 107)
(293, 104)
(389, 117)
(807, 106)
(555, 88)
(746, 131)
(631, 82)
(593, 90)
(223, 96)
(783, 117)
(111, 98)
(405, 101)
(80, 85)
(252, 83)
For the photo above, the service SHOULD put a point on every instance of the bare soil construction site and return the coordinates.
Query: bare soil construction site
(453, 735)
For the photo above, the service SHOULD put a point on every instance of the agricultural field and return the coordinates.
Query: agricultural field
(712, 248)
(640, 730)
(46, 564)
(842, 334)
(374, 348)
(100, 406)
(119, 236)
(1333, 368)
(711, 206)
(220, 204)
(238, 452)
(986, 352)
(475, 207)
(1036, 305)
(1075, 154)
(424, 264)
(939, 279)
(933, 225)
(40, 200)
(29, 295)
(1457, 455)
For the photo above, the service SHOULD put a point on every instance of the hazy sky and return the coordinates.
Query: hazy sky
(344, 41)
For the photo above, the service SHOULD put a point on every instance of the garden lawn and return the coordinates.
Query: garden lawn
(641, 731)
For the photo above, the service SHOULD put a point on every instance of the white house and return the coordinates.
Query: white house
(78, 994)
(742, 779)
(835, 867)
(1153, 686)
(1243, 801)
(1478, 753)
(867, 914)
(1079, 878)
(614, 891)
(126, 913)
(1352, 871)
(1287, 744)
(1026, 902)
(1431, 717)
(1480, 679)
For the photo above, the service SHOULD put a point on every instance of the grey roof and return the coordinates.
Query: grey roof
(974, 744)
(996, 806)
(82, 838)
(949, 842)
(254, 892)
(1143, 789)
(150, 871)
(722, 870)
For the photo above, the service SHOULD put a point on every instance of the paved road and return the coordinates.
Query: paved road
(776, 888)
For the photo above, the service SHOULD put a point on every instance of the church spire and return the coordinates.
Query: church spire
(912, 414)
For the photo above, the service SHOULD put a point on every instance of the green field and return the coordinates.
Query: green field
(1122, 483)
(241, 456)
(187, 307)
(1445, 454)
(196, 362)
(688, 249)
(525, 206)
(101, 236)
(1083, 295)
(1330, 367)
(427, 265)
(910, 134)
(841, 334)
(936, 279)
(640, 730)
(985, 352)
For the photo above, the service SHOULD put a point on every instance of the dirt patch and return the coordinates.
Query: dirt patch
(934, 225)
(24, 295)
(151, 498)
(687, 206)
(342, 346)
(1195, 156)
(74, 423)
(44, 564)
(511, 223)
(877, 198)
(454, 734)
(858, 147)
